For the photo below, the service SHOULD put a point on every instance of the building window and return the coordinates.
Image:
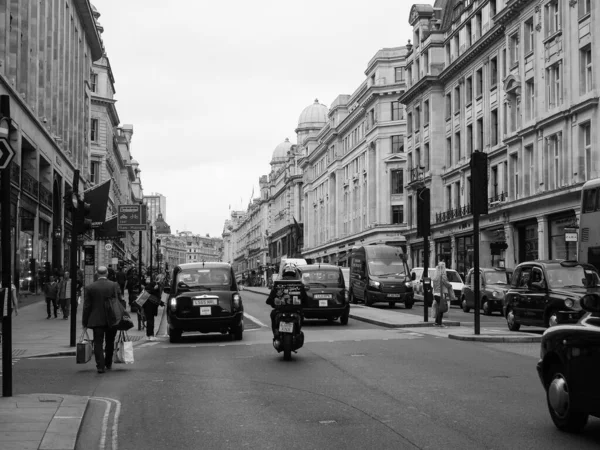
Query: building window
(530, 99)
(447, 48)
(585, 7)
(528, 171)
(478, 25)
(426, 112)
(552, 17)
(397, 144)
(457, 146)
(399, 74)
(94, 130)
(529, 35)
(469, 139)
(449, 197)
(448, 152)
(396, 111)
(494, 127)
(95, 172)
(426, 62)
(448, 105)
(94, 82)
(469, 89)
(427, 157)
(397, 181)
(409, 123)
(456, 99)
(493, 72)
(554, 85)
(586, 143)
(552, 169)
(514, 49)
(514, 160)
(468, 32)
(494, 181)
(585, 55)
(479, 135)
(479, 83)
(417, 119)
(492, 8)
(397, 214)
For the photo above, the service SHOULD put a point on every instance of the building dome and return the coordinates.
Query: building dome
(280, 154)
(313, 116)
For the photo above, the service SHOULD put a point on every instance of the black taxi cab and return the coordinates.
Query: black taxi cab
(203, 297)
(326, 293)
(546, 293)
(569, 368)
(493, 285)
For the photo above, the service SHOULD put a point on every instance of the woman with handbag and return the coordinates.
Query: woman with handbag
(151, 305)
(442, 286)
(133, 288)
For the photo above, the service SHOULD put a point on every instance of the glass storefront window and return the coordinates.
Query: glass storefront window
(559, 248)
(27, 270)
(443, 251)
(530, 242)
(464, 254)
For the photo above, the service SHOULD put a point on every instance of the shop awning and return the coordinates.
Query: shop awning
(108, 230)
(97, 197)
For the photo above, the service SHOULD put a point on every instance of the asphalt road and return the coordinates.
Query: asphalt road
(350, 387)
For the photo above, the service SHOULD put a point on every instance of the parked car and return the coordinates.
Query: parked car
(327, 296)
(346, 273)
(546, 293)
(569, 368)
(493, 285)
(453, 277)
(204, 297)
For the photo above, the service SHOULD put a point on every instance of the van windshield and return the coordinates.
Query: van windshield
(387, 267)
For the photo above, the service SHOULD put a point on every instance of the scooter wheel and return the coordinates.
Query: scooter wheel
(287, 347)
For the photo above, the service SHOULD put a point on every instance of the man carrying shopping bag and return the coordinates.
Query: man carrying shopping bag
(94, 317)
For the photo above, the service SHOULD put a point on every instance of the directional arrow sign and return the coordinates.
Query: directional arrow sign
(6, 153)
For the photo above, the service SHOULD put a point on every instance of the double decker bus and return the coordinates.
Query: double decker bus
(589, 224)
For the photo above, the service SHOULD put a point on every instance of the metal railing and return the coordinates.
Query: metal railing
(15, 173)
(417, 174)
(30, 184)
(455, 213)
(501, 197)
(45, 197)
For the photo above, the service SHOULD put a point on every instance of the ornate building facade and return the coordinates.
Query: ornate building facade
(515, 79)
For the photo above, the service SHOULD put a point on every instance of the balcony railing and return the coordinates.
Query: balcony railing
(501, 197)
(15, 173)
(456, 213)
(30, 185)
(45, 197)
(417, 174)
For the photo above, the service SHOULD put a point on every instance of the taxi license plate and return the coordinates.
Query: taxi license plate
(393, 295)
(286, 327)
(205, 311)
(322, 295)
(211, 301)
(322, 303)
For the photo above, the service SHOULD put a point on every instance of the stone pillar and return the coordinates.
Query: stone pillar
(510, 259)
(542, 237)
(453, 254)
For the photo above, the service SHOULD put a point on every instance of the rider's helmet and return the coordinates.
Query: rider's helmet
(290, 272)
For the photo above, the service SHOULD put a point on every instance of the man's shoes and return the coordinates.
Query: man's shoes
(108, 367)
(101, 370)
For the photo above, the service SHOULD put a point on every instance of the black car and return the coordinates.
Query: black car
(569, 368)
(327, 297)
(546, 293)
(204, 297)
(493, 284)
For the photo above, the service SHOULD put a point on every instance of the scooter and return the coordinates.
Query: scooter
(288, 336)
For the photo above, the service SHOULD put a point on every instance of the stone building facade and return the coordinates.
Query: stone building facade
(514, 79)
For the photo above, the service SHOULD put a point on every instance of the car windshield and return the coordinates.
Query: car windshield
(386, 267)
(207, 277)
(561, 277)
(496, 277)
(322, 277)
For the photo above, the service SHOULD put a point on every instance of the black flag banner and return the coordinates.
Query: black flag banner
(97, 197)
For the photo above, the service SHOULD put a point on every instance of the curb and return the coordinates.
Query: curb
(401, 325)
(489, 338)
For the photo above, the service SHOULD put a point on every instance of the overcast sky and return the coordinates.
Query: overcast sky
(212, 87)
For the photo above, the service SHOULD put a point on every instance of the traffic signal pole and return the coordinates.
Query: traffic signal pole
(75, 212)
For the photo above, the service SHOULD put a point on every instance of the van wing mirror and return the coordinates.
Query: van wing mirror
(413, 276)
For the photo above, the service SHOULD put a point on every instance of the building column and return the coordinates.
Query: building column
(542, 237)
(510, 259)
(453, 255)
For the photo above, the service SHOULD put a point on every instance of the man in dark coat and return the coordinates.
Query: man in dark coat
(94, 317)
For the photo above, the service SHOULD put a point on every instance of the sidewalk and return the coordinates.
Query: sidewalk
(399, 319)
(34, 335)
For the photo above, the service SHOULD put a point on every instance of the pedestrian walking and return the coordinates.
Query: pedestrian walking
(15, 303)
(121, 279)
(51, 292)
(133, 289)
(442, 286)
(94, 317)
(112, 276)
(64, 295)
(151, 306)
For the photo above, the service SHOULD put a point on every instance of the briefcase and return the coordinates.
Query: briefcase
(84, 348)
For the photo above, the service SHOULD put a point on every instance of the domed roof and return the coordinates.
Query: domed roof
(280, 154)
(314, 115)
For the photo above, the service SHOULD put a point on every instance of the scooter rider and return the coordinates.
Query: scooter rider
(290, 272)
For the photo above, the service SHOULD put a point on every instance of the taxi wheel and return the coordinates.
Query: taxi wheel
(368, 301)
(344, 317)
(465, 308)
(486, 307)
(174, 335)
(408, 304)
(512, 323)
(237, 332)
(558, 397)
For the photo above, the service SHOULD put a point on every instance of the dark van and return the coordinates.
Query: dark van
(379, 273)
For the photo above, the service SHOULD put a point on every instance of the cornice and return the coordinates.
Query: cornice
(419, 87)
(510, 11)
(88, 22)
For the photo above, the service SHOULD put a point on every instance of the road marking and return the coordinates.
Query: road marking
(115, 426)
(104, 422)
(254, 319)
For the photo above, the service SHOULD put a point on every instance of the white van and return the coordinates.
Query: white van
(284, 261)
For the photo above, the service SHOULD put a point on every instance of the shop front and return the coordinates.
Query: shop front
(528, 240)
(464, 254)
(558, 247)
(443, 252)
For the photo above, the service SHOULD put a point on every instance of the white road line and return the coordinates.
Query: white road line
(115, 427)
(254, 319)
(104, 422)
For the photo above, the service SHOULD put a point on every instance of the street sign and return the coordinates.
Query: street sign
(131, 218)
(108, 247)
(6, 153)
(571, 237)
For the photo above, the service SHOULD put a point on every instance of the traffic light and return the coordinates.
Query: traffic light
(423, 213)
(82, 223)
(70, 199)
(479, 183)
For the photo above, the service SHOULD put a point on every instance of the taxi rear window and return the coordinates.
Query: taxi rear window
(327, 277)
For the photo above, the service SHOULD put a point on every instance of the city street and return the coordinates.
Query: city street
(355, 386)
